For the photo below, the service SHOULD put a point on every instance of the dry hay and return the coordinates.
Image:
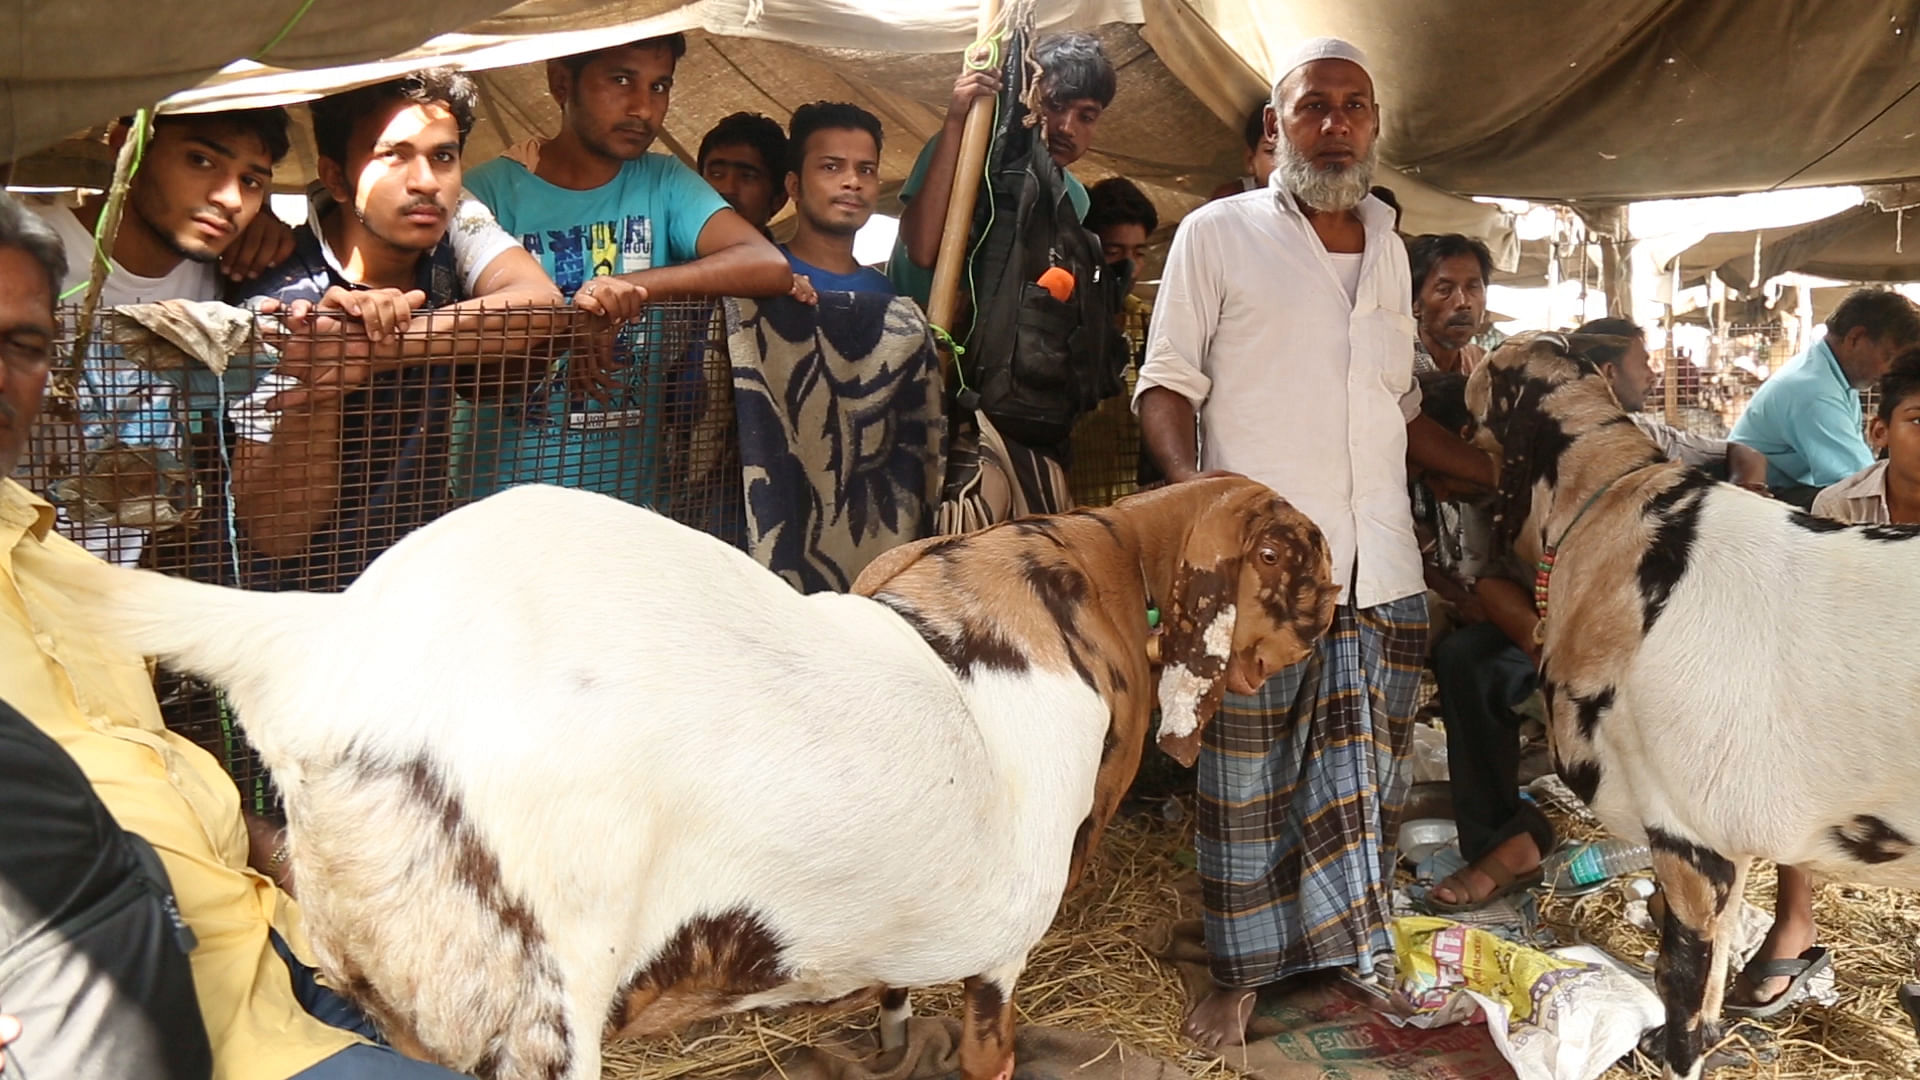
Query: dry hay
(1095, 972)
(1874, 934)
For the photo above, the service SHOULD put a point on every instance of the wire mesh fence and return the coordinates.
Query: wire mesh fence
(184, 444)
(1107, 459)
(282, 451)
(1714, 391)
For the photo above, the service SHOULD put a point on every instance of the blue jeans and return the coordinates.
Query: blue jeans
(365, 1062)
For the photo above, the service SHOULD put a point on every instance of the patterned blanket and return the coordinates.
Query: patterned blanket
(842, 431)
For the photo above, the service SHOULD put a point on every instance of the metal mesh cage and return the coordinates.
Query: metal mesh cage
(154, 461)
(249, 477)
(1107, 459)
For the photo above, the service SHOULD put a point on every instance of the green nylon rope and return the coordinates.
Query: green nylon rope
(284, 31)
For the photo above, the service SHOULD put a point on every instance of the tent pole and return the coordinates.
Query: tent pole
(104, 233)
(943, 301)
(1670, 376)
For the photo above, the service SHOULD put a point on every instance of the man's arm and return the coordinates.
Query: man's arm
(1172, 379)
(1431, 446)
(925, 214)
(515, 309)
(735, 260)
(286, 486)
(1747, 467)
(1447, 588)
(285, 472)
(1169, 433)
(1509, 607)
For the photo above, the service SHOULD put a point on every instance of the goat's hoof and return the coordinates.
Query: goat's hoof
(1753, 1045)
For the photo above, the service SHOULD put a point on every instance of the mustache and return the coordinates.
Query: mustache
(424, 202)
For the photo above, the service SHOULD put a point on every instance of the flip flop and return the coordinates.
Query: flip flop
(1800, 970)
(1505, 884)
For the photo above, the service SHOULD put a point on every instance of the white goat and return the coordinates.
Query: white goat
(1725, 675)
(556, 766)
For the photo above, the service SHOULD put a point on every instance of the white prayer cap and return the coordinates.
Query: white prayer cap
(1320, 48)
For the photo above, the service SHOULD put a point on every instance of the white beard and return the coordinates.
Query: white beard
(1330, 189)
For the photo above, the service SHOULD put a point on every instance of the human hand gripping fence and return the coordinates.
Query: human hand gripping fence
(373, 439)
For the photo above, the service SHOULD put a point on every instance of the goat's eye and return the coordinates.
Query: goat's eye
(1269, 556)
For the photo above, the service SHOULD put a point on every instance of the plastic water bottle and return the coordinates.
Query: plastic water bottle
(1591, 863)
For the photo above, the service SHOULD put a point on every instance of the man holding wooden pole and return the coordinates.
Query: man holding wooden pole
(932, 256)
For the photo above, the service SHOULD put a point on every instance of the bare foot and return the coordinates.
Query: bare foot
(1514, 857)
(1220, 1019)
(1792, 933)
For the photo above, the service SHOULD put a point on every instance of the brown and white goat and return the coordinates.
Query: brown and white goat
(557, 767)
(1724, 675)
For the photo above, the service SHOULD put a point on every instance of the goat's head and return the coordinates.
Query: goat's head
(1532, 398)
(1253, 590)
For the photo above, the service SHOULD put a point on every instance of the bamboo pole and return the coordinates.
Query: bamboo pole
(104, 233)
(943, 300)
(1670, 372)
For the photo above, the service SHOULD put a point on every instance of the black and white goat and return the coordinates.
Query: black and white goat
(1725, 675)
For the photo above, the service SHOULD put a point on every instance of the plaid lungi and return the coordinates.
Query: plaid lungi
(1301, 790)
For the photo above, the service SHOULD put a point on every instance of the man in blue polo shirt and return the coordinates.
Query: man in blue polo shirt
(1806, 418)
(833, 178)
(592, 204)
(344, 448)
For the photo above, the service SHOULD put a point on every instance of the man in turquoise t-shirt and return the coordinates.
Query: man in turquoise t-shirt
(1077, 84)
(1806, 418)
(588, 203)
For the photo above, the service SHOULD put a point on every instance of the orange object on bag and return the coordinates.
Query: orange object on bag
(1058, 280)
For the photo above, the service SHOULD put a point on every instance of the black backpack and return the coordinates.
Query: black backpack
(1033, 364)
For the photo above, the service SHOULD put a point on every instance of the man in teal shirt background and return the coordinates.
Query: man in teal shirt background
(1077, 83)
(591, 204)
(1806, 418)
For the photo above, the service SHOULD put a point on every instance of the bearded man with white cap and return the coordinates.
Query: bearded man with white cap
(1283, 334)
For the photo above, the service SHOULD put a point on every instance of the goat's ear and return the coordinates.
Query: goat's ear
(1196, 640)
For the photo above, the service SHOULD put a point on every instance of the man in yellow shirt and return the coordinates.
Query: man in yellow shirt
(266, 1016)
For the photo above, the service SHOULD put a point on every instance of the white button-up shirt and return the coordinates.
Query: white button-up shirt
(1296, 385)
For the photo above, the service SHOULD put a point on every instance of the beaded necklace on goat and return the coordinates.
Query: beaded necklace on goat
(1543, 569)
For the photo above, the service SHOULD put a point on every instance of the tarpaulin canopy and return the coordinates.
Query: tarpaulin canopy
(1176, 132)
(1862, 244)
(1579, 100)
(1621, 99)
(75, 63)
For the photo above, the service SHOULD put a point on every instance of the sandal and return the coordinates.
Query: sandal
(1505, 884)
(1800, 970)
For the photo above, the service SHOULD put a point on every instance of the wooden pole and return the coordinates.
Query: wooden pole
(108, 228)
(1670, 371)
(943, 301)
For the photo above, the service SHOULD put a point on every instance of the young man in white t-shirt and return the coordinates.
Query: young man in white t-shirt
(203, 180)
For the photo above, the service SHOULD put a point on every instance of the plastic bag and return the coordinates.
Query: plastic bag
(1567, 1015)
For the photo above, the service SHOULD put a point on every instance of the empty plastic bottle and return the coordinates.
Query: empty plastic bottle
(1591, 863)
